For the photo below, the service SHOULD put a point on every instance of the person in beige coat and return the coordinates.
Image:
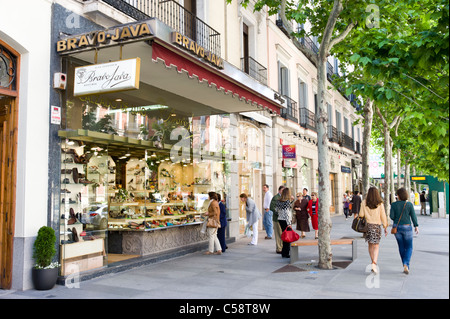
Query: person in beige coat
(372, 209)
(213, 214)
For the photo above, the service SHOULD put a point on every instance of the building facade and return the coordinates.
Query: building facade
(140, 109)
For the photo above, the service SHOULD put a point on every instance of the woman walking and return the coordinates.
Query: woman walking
(301, 214)
(284, 209)
(372, 209)
(253, 216)
(402, 213)
(313, 211)
(213, 224)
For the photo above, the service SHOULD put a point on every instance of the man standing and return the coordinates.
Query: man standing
(268, 215)
(423, 203)
(356, 204)
(276, 225)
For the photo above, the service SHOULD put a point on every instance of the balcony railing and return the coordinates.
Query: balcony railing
(307, 119)
(254, 69)
(346, 141)
(175, 16)
(357, 148)
(333, 135)
(291, 112)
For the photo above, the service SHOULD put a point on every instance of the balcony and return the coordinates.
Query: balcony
(346, 141)
(175, 16)
(254, 69)
(291, 112)
(333, 135)
(307, 119)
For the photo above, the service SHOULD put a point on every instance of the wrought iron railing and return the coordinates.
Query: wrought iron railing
(333, 135)
(346, 141)
(357, 148)
(307, 119)
(175, 16)
(254, 69)
(291, 111)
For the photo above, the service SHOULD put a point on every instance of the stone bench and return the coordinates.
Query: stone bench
(315, 242)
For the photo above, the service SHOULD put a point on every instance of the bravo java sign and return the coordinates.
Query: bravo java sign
(197, 49)
(109, 36)
(107, 77)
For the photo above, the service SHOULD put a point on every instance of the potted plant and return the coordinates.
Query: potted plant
(45, 271)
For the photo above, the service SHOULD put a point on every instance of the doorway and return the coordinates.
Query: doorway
(8, 147)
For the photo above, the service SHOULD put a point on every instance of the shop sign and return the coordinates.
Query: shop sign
(197, 49)
(345, 169)
(55, 117)
(289, 151)
(115, 76)
(109, 36)
(290, 163)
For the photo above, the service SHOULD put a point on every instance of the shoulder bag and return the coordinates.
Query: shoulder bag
(289, 235)
(360, 225)
(394, 229)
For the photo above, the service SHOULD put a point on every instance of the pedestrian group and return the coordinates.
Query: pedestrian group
(283, 210)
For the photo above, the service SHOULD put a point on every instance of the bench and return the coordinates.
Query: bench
(315, 242)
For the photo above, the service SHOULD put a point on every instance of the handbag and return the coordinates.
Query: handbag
(394, 229)
(289, 235)
(213, 223)
(203, 230)
(360, 225)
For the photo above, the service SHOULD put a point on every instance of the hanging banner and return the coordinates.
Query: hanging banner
(115, 76)
(289, 151)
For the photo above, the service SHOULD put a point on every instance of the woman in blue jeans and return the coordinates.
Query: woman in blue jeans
(402, 213)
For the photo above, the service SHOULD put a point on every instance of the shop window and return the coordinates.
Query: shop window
(131, 166)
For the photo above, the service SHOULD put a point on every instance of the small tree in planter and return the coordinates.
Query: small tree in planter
(45, 271)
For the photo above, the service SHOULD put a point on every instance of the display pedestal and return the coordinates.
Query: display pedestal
(145, 243)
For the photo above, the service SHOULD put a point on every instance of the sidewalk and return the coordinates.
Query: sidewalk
(257, 272)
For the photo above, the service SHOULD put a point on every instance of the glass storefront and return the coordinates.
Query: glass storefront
(130, 165)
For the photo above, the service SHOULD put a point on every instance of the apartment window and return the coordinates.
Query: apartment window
(346, 127)
(303, 94)
(283, 79)
(338, 121)
(330, 114)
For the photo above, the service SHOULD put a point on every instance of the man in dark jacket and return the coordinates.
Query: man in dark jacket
(423, 203)
(356, 204)
(276, 225)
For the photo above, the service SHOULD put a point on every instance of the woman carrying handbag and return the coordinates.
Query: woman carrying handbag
(284, 209)
(402, 213)
(372, 209)
(212, 225)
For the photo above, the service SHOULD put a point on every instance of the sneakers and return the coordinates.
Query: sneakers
(405, 269)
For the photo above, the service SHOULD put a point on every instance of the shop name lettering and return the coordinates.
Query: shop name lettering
(103, 37)
(197, 49)
(110, 79)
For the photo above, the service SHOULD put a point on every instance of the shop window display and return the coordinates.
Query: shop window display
(120, 174)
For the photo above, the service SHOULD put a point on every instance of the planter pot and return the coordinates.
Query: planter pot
(44, 279)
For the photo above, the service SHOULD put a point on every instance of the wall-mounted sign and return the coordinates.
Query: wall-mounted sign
(289, 151)
(418, 178)
(345, 169)
(290, 163)
(197, 49)
(107, 77)
(114, 35)
(55, 115)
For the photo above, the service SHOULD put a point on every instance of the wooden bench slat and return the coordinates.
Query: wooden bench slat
(310, 242)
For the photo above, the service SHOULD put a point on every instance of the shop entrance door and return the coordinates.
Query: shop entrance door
(8, 145)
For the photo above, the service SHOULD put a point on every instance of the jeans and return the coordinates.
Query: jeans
(404, 238)
(268, 223)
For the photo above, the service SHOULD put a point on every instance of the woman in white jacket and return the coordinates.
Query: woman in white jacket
(253, 216)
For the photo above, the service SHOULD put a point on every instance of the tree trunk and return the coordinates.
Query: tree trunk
(387, 168)
(367, 133)
(325, 254)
